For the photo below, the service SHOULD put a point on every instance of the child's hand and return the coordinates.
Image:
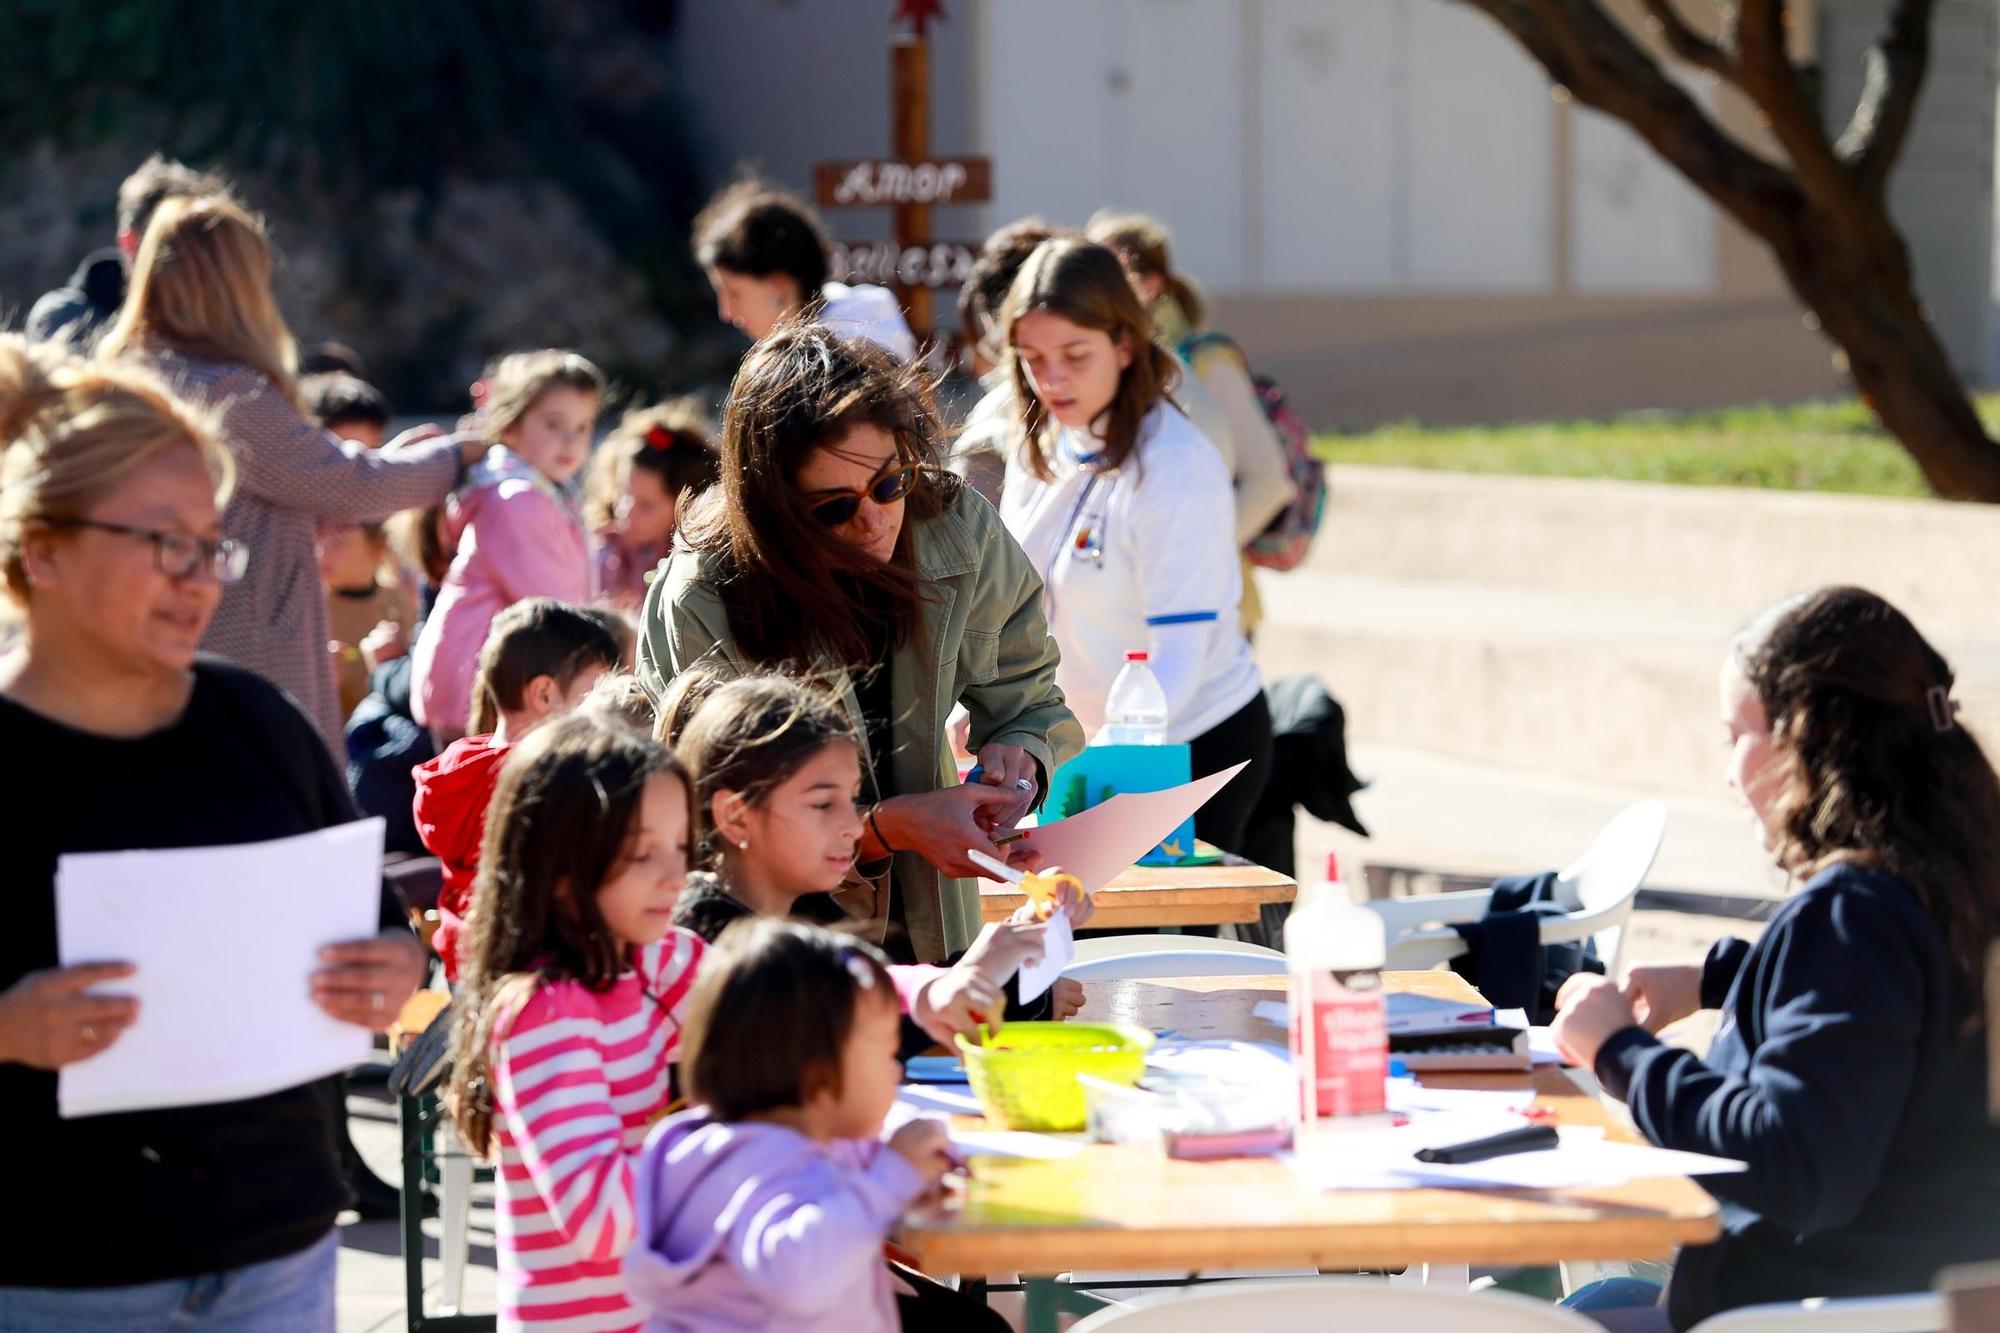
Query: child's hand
(927, 1146)
(957, 1002)
(1065, 998)
(1003, 947)
(385, 643)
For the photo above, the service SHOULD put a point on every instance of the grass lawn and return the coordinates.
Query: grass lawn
(1832, 446)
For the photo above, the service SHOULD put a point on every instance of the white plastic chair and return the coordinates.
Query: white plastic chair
(1314, 1307)
(1596, 892)
(1923, 1312)
(1177, 963)
(1117, 946)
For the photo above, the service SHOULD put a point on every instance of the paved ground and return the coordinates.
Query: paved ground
(1424, 811)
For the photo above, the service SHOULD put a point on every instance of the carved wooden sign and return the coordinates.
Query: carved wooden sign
(876, 182)
(944, 264)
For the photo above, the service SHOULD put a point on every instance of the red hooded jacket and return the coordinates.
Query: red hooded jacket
(453, 791)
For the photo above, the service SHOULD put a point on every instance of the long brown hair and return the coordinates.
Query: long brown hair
(561, 823)
(1875, 766)
(795, 591)
(1083, 283)
(201, 286)
(1142, 244)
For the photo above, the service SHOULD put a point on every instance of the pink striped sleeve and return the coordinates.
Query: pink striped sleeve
(550, 1085)
(670, 967)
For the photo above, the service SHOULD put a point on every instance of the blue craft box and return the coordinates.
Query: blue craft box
(1103, 771)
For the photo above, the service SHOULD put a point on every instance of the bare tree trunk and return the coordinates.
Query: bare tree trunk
(1824, 214)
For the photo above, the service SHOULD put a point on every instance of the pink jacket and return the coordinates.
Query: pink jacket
(518, 536)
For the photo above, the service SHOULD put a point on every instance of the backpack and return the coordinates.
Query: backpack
(1283, 544)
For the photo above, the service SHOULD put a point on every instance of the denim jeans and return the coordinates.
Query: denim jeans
(294, 1293)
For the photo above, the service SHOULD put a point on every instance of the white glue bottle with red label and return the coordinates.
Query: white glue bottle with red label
(1334, 950)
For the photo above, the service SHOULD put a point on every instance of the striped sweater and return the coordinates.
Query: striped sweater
(578, 1078)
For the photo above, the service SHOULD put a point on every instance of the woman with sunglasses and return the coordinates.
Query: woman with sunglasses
(112, 562)
(834, 547)
(1126, 509)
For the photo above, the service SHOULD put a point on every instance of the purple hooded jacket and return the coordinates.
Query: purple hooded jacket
(754, 1226)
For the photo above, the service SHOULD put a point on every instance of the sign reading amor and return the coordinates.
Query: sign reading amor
(863, 184)
(889, 263)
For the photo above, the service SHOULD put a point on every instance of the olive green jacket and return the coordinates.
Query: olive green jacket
(983, 641)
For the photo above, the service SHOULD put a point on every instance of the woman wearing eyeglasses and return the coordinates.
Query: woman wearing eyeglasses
(117, 736)
(835, 547)
(1126, 509)
(199, 311)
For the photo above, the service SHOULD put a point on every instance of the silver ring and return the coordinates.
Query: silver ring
(1024, 784)
(375, 1001)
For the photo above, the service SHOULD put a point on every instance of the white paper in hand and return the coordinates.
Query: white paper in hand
(225, 940)
(1058, 952)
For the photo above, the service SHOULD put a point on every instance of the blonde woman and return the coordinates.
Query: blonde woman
(200, 312)
(113, 557)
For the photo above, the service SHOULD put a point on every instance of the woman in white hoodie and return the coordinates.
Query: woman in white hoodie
(1126, 511)
(768, 258)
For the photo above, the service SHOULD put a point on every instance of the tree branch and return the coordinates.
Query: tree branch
(1603, 66)
(1686, 43)
(1773, 83)
(1892, 79)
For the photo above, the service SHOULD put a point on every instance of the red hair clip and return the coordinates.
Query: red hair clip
(659, 437)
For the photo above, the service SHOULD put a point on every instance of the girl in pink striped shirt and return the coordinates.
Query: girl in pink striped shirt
(570, 1008)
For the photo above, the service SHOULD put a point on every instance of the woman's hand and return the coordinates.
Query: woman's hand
(940, 826)
(1663, 994)
(413, 437)
(366, 982)
(385, 643)
(1589, 1008)
(959, 1001)
(48, 1021)
(1014, 771)
(1065, 999)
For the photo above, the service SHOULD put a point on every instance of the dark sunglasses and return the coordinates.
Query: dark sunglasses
(885, 490)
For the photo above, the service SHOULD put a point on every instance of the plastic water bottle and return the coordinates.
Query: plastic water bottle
(1136, 711)
(1340, 1036)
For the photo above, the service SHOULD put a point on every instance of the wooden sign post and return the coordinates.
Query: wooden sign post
(910, 181)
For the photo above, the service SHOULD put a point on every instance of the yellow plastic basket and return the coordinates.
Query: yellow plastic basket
(1026, 1077)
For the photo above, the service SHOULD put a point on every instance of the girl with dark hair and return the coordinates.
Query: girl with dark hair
(1124, 508)
(1849, 1069)
(765, 1206)
(769, 260)
(835, 548)
(570, 1009)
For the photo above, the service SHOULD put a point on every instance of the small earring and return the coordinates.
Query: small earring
(744, 845)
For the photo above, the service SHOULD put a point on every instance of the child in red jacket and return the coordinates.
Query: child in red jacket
(540, 658)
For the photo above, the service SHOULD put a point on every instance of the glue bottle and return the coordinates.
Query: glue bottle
(1334, 951)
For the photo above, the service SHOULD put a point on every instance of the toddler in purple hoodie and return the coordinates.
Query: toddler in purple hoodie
(766, 1206)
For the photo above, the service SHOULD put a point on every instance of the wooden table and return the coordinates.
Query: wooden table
(1124, 1208)
(1147, 897)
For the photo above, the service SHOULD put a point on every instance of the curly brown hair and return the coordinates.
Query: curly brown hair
(1875, 767)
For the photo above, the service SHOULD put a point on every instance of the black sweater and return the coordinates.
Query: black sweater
(1840, 1072)
(143, 1196)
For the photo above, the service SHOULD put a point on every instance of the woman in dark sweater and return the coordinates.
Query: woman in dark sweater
(119, 737)
(1849, 1066)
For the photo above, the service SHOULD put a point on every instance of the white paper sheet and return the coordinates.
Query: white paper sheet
(1384, 1159)
(937, 1099)
(224, 940)
(1058, 952)
(1103, 842)
(1017, 1143)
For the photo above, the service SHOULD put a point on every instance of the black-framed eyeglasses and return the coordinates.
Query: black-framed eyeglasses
(176, 554)
(884, 490)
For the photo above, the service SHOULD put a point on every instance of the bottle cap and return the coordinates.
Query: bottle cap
(1138, 655)
(1333, 867)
